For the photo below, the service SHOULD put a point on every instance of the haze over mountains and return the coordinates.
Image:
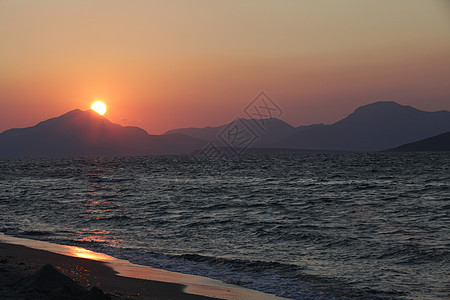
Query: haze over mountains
(373, 127)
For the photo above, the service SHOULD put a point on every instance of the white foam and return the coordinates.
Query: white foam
(194, 284)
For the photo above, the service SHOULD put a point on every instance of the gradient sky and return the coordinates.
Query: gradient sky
(167, 64)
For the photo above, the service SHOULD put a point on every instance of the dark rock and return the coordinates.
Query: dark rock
(49, 283)
(97, 294)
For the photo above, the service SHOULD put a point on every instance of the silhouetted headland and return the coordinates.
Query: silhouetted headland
(86, 133)
(374, 127)
(437, 143)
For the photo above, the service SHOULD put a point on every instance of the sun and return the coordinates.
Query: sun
(99, 107)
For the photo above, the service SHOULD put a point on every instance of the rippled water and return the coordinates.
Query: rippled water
(300, 226)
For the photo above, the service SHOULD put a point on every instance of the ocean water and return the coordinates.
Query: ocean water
(303, 226)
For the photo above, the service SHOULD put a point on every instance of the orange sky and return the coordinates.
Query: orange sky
(167, 64)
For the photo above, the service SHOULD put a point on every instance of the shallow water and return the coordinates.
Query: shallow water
(300, 226)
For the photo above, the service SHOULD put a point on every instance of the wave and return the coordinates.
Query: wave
(111, 218)
(36, 233)
(292, 280)
(412, 254)
(281, 279)
(106, 179)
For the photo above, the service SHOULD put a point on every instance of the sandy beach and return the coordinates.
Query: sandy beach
(32, 269)
(18, 262)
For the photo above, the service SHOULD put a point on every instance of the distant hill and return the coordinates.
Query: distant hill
(377, 126)
(86, 133)
(268, 131)
(374, 127)
(436, 143)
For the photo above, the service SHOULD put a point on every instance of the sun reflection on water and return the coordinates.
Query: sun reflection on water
(84, 253)
(97, 236)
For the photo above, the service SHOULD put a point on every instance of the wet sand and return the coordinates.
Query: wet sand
(120, 279)
(18, 262)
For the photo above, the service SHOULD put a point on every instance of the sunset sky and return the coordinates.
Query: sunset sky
(167, 64)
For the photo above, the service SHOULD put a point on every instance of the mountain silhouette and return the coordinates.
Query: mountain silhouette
(437, 143)
(267, 131)
(377, 126)
(86, 133)
(374, 127)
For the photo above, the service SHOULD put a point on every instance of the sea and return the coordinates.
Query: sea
(300, 226)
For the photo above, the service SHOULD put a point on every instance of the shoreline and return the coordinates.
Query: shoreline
(20, 258)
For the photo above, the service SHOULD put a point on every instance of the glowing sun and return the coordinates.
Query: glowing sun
(99, 107)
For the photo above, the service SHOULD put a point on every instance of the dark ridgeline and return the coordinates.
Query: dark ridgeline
(436, 143)
(86, 133)
(273, 131)
(374, 127)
